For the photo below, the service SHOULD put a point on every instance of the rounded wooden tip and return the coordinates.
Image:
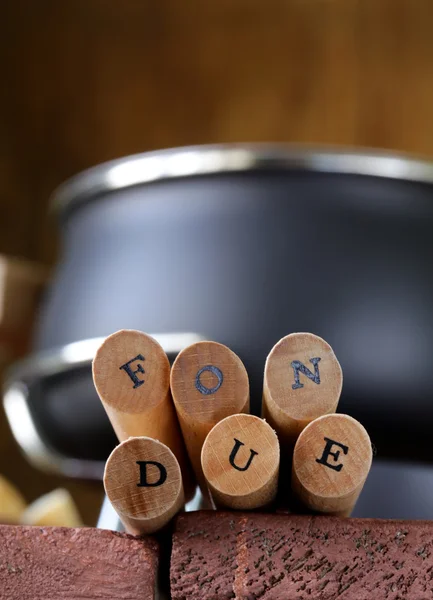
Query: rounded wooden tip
(209, 382)
(240, 460)
(131, 372)
(302, 381)
(331, 461)
(143, 482)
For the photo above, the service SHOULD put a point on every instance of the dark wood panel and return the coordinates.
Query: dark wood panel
(89, 80)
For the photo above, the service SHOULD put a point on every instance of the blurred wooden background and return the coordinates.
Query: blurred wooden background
(89, 80)
(84, 81)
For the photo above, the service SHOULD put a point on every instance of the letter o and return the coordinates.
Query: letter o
(202, 388)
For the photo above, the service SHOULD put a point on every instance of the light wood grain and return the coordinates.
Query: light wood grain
(331, 461)
(240, 460)
(291, 398)
(136, 396)
(143, 509)
(208, 382)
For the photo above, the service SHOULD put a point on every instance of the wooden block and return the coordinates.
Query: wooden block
(131, 373)
(208, 382)
(21, 286)
(331, 461)
(274, 557)
(240, 460)
(143, 482)
(303, 380)
(55, 562)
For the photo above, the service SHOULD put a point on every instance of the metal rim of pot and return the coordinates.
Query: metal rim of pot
(194, 161)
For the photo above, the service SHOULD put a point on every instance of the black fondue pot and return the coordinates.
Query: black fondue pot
(243, 245)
